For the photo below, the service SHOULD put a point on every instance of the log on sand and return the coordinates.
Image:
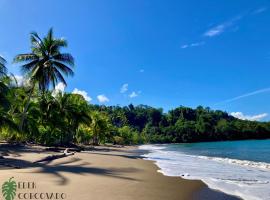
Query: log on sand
(66, 153)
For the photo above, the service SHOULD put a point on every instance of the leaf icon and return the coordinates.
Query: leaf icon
(9, 189)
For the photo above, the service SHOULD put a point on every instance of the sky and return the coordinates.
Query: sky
(159, 53)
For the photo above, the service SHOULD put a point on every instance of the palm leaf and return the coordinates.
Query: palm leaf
(25, 57)
(3, 69)
(63, 68)
(60, 77)
(29, 66)
(64, 58)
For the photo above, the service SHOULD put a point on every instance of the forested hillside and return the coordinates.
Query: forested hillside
(184, 124)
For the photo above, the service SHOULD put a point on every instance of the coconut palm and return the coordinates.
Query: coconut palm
(61, 115)
(99, 126)
(75, 110)
(45, 65)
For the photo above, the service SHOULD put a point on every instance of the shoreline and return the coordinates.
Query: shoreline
(103, 173)
(202, 192)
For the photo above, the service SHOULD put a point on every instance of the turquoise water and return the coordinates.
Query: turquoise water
(240, 168)
(253, 150)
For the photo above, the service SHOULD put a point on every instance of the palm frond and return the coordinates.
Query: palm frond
(63, 68)
(64, 58)
(60, 77)
(26, 68)
(60, 42)
(37, 44)
(2, 60)
(25, 57)
(56, 45)
(3, 69)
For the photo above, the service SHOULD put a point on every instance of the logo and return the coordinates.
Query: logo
(12, 190)
(9, 189)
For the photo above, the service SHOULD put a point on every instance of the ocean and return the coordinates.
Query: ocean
(240, 168)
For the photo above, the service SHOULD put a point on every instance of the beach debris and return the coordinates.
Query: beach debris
(66, 153)
(185, 175)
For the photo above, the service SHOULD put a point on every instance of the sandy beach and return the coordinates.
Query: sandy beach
(104, 173)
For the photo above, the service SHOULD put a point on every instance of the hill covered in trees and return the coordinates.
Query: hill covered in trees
(33, 111)
(183, 124)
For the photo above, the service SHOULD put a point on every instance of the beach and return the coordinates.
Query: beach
(100, 174)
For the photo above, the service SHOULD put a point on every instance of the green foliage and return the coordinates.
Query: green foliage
(126, 133)
(45, 64)
(84, 135)
(118, 140)
(99, 127)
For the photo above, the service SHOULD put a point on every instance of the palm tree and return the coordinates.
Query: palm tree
(99, 126)
(45, 65)
(4, 101)
(75, 110)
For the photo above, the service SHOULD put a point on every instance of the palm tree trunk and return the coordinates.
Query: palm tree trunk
(95, 140)
(26, 108)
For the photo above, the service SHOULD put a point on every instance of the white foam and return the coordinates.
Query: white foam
(246, 179)
(152, 147)
(259, 165)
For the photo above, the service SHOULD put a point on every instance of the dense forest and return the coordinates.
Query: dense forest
(33, 111)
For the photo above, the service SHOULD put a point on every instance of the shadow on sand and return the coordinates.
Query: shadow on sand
(72, 165)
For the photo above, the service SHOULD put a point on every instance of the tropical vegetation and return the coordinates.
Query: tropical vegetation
(33, 111)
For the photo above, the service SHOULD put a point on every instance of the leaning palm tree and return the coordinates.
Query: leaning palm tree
(45, 65)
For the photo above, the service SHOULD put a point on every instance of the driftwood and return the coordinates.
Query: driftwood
(61, 149)
(54, 157)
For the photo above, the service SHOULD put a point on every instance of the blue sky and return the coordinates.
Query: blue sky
(167, 53)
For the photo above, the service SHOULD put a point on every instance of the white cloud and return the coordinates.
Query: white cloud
(102, 98)
(245, 95)
(83, 93)
(134, 94)
(260, 10)
(184, 46)
(196, 44)
(219, 29)
(240, 115)
(215, 30)
(20, 80)
(59, 88)
(124, 88)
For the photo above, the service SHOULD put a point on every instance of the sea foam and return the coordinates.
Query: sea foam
(246, 179)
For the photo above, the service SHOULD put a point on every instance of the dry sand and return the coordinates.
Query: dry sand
(103, 174)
